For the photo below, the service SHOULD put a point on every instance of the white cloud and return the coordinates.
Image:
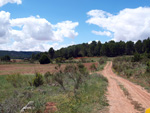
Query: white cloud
(4, 26)
(66, 29)
(3, 2)
(33, 33)
(107, 33)
(33, 27)
(128, 24)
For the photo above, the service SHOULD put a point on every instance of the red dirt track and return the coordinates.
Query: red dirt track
(118, 102)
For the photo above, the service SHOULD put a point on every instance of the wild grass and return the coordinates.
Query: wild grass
(89, 97)
(102, 62)
(134, 71)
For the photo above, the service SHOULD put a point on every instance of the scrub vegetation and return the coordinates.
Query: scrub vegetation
(72, 89)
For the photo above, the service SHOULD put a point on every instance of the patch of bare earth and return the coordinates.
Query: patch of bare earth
(118, 101)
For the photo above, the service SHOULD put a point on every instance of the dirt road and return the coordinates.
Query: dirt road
(118, 101)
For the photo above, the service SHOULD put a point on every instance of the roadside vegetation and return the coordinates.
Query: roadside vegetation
(71, 90)
(135, 68)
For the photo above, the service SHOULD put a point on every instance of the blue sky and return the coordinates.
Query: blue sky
(85, 27)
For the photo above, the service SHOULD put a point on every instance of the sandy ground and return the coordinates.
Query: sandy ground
(118, 101)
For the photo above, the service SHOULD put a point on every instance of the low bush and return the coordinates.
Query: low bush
(60, 60)
(82, 69)
(101, 61)
(87, 98)
(48, 77)
(44, 59)
(59, 78)
(70, 69)
(136, 57)
(38, 80)
(148, 67)
(93, 67)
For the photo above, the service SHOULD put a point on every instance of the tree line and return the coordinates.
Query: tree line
(109, 49)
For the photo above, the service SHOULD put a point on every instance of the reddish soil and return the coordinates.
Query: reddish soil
(32, 68)
(50, 107)
(118, 101)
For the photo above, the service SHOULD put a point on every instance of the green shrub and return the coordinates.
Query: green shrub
(148, 67)
(93, 67)
(60, 60)
(70, 69)
(101, 61)
(44, 59)
(128, 73)
(59, 78)
(136, 58)
(82, 69)
(48, 77)
(38, 80)
(73, 74)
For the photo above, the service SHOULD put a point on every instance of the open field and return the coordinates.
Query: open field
(33, 68)
(89, 97)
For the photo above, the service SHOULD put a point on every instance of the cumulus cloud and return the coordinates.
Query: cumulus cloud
(33, 27)
(128, 24)
(33, 33)
(4, 26)
(3, 2)
(66, 29)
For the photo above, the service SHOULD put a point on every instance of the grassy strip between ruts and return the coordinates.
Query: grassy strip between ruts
(137, 105)
(90, 97)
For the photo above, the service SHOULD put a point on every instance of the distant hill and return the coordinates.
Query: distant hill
(18, 54)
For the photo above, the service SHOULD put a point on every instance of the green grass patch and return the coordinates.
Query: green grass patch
(133, 71)
(88, 98)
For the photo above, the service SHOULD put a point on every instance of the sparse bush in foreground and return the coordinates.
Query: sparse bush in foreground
(38, 80)
(77, 75)
(48, 77)
(59, 78)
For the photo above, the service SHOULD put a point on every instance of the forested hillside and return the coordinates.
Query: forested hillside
(17, 55)
(110, 49)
